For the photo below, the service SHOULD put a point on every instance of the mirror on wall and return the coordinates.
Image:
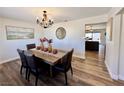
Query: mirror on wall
(60, 33)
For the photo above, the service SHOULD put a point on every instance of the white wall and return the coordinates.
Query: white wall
(112, 47)
(74, 38)
(99, 26)
(0, 38)
(121, 58)
(8, 47)
(103, 37)
(75, 32)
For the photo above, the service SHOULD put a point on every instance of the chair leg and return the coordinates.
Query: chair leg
(51, 71)
(21, 70)
(66, 82)
(36, 80)
(71, 70)
(28, 75)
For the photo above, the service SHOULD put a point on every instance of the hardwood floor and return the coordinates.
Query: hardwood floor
(86, 73)
(96, 55)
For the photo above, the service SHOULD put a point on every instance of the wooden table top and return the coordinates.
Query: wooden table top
(50, 58)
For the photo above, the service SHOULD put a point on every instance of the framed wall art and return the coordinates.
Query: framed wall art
(14, 33)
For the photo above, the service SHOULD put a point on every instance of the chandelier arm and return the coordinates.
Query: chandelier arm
(45, 22)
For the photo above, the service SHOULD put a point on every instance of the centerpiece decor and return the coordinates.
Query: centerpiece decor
(42, 45)
(49, 45)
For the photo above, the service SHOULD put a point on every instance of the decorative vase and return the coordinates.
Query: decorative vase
(42, 46)
(49, 47)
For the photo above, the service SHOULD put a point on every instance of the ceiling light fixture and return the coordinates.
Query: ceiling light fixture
(89, 28)
(44, 22)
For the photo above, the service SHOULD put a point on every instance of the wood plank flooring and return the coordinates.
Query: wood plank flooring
(86, 73)
(98, 55)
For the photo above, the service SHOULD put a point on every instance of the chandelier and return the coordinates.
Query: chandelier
(44, 22)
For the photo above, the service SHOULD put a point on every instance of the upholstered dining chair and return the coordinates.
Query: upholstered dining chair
(33, 66)
(24, 63)
(30, 46)
(65, 65)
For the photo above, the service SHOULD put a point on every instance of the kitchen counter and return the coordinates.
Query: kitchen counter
(92, 45)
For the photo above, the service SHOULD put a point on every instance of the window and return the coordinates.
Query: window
(96, 36)
(89, 35)
(93, 36)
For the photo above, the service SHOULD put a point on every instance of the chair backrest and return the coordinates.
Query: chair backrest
(22, 57)
(67, 60)
(30, 46)
(70, 55)
(30, 60)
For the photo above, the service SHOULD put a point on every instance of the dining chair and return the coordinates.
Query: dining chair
(30, 46)
(33, 66)
(24, 63)
(65, 65)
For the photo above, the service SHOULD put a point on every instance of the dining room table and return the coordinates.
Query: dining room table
(49, 58)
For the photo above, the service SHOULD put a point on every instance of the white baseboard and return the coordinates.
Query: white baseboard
(9, 60)
(113, 76)
(121, 77)
(81, 57)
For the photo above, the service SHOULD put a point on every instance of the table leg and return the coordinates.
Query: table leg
(51, 72)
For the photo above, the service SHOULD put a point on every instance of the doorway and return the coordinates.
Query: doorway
(95, 41)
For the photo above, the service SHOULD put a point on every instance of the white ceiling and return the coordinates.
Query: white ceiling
(58, 14)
